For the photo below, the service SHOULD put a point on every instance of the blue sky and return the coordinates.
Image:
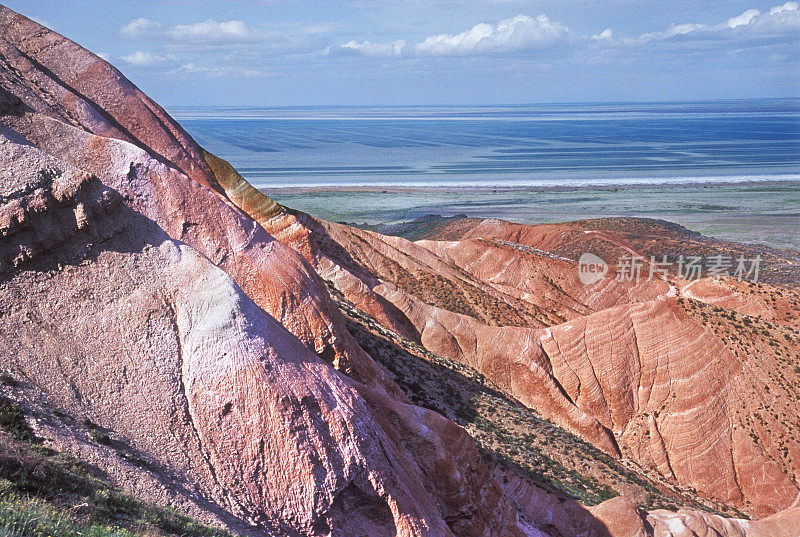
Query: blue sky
(384, 52)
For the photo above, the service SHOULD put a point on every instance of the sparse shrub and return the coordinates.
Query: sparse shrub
(100, 437)
(7, 380)
(12, 420)
(97, 433)
(36, 482)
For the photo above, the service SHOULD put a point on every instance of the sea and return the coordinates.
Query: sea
(496, 147)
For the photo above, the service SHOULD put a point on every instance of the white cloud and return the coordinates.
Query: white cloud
(215, 71)
(781, 23)
(520, 33)
(674, 30)
(139, 28)
(745, 18)
(209, 31)
(510, 35)
(788, 6)
(367, 48)
(201, 69)
(212, 30)
(145, 59)
(604, 35)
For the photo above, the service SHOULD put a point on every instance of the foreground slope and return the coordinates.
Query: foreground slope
(116, 322)
(121, 267)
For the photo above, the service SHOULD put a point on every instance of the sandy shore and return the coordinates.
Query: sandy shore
(293, 190)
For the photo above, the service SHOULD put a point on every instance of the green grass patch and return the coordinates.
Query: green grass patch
(12, 420)
(44, 493)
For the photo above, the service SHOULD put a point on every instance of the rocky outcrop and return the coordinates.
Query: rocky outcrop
(70, 103)
(47, 205)
(620, 518)
(675, 407)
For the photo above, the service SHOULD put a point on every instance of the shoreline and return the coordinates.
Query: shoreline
(766, 212)
(476, 189)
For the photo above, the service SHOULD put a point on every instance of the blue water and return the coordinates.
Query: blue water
(505, 146)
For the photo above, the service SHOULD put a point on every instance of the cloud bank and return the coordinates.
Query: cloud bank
(209, 31)
(368, 48)
(518, 47)
(781, 23)
(524, 33)
(509, 35)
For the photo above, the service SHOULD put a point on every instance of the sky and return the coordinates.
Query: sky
(437, 52)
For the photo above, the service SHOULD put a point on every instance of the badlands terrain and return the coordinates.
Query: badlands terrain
(181, 355)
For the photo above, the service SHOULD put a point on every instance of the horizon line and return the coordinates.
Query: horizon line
(485, 105)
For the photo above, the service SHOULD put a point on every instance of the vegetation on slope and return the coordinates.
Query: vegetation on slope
(44, 493)
(772, 352)
(510, 434)
(647, 236)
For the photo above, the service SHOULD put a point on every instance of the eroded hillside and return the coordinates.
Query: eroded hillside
(621, 364)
